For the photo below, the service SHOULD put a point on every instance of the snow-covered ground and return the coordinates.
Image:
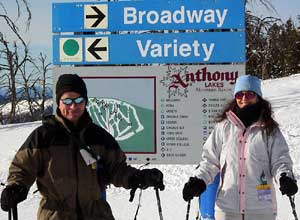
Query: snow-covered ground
(284, 95)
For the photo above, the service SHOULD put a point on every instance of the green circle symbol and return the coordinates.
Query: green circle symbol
(71, 47)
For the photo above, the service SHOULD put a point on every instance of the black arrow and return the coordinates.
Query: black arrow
(100, 16)
(92, 49)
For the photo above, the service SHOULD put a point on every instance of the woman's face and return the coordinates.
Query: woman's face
(245, 98)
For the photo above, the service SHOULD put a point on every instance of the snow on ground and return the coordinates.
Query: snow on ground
(284, 95)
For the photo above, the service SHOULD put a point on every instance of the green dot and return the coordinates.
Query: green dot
(71, 47)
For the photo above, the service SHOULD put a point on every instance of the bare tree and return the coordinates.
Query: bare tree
(34, 84)
(43, 71)
(28, 82)
(20, 4)
(11, 62)
(258, 45)
(13, 53)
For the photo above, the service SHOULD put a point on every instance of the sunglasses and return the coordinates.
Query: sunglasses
(69, 101)
(248, 95)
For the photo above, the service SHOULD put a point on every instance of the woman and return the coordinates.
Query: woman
(249, 150)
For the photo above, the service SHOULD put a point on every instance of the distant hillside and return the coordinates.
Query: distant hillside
(3, 92)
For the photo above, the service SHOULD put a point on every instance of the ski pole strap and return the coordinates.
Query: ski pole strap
(132, 193)
(158, 204)
(188, 210)
(292, 201)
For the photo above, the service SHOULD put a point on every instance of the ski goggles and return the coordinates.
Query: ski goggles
(247, 94)
(69, 101)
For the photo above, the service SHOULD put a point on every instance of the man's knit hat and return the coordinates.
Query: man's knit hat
(248, 83)
(70, 83)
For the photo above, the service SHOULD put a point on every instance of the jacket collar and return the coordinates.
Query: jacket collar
(231, 116)
(82, 123)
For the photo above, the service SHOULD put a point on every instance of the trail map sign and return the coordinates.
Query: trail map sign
(158, 114)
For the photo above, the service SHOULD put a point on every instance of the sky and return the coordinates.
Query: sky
(284, 95)
(40, 36)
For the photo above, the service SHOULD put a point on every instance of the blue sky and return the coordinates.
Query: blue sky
(40, 36)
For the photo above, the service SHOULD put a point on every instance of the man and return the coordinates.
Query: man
(72, 160)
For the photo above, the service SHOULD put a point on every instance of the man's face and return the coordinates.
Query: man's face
(72, 111)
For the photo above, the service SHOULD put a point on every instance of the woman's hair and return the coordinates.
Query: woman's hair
(266, 114)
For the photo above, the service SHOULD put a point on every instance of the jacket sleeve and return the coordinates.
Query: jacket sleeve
(115, 161)
(210, 159)
(119, 170)
(280, 159)
(26, 163)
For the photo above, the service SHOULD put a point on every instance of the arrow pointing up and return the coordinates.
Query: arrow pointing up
(100, 16)
(93, 49)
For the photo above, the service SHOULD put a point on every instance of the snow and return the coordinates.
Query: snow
(283, 93)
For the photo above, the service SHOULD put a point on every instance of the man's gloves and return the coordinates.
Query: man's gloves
(12, 195)
(146, 178)
(194, 187)
(288, 186)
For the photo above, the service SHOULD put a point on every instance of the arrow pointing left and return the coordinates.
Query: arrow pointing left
(97, 49)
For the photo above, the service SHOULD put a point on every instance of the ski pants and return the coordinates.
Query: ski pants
(219, 215)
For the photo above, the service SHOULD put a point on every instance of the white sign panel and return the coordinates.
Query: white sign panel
(158, 114)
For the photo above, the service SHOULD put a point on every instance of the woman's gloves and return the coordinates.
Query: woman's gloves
(12, 195)
(194, 187)
(146, 178)
(288, 186)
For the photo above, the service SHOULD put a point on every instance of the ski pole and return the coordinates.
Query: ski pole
(158, 204)
(293, 206)
(9, 214)
(188, 210)
(139, 205)
(15, 213)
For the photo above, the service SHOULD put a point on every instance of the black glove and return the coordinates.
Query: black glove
(194, 187)
(12, 195)
(146, 178)
(288, 186)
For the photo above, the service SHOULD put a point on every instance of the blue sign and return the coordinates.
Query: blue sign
(148, 15)
(196, 47)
